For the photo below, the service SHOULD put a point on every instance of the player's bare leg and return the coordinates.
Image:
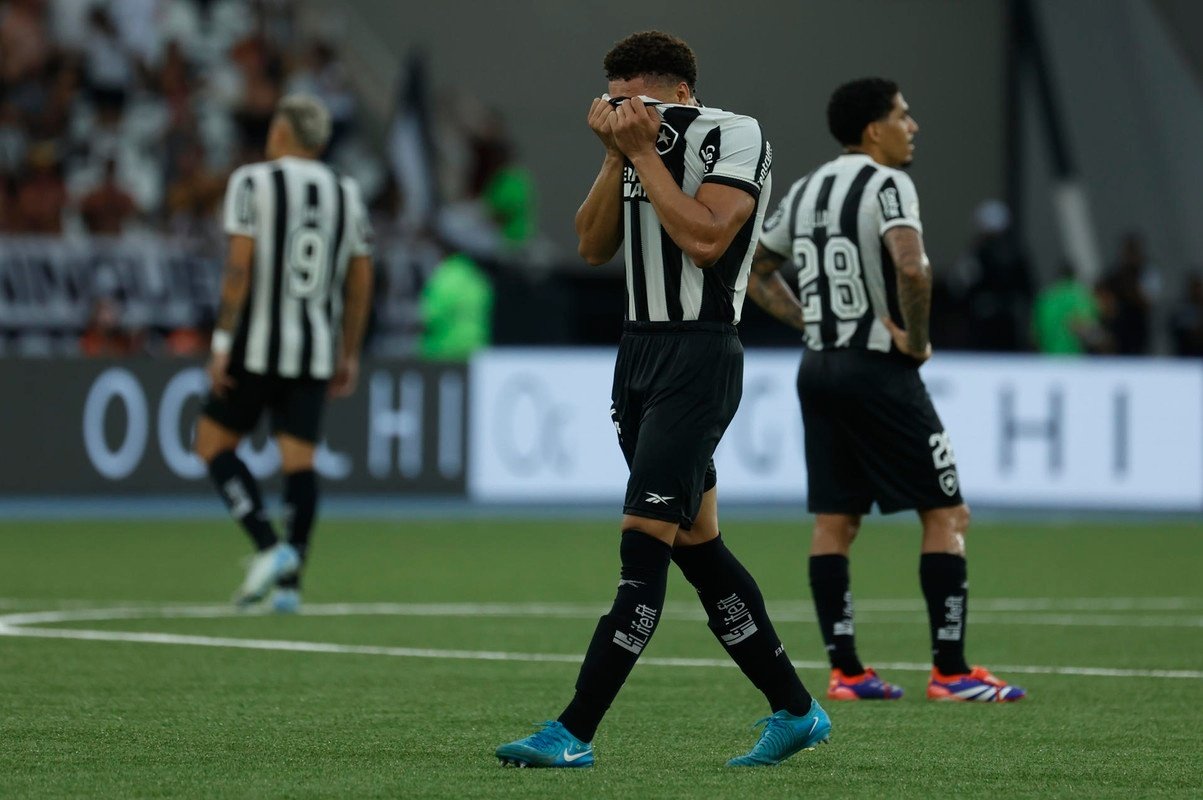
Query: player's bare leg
(831, 587)
(215, 444)
(300, 512)
(943, 576)
(834, 534)
(212, 439)
(944, 530)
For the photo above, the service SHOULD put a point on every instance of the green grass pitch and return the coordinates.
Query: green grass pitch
(389, 690)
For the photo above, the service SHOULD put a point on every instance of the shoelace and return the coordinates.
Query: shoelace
(544, 738)
(775, 733)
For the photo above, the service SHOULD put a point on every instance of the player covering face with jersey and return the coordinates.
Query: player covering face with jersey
(682, 190)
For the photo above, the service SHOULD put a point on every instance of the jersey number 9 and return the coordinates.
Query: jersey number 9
(306, 263)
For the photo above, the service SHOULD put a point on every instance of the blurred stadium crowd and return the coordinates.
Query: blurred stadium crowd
(120, 121)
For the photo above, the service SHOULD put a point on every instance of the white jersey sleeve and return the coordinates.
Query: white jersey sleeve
(739, 156)
(241, 209)
(359, 227)
(898, 203)
(776, 234)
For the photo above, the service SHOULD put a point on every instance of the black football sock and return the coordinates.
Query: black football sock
(739, 621)
(622, 634)
(239, 489)
(943, 577)
(300, 509)
(830, 585)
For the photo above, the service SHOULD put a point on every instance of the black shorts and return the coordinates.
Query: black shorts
(872, 435)
(296, 404)
(676, 388)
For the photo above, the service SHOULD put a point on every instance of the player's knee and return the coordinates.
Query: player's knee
(656, 528)
(851, 530)
(207, 448)
(834, 533)
(961, 517)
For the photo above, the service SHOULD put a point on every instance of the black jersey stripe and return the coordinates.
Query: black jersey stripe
(850, 229)
(279, 231)
(313, 208)
(672, 258)
(638, 278)
(340, 209)
(673, 264)
(827, 320)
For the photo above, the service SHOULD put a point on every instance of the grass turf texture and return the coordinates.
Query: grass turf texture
(117, 719)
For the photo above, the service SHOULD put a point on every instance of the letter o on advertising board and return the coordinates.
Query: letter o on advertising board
(116, 384)
(179, 457)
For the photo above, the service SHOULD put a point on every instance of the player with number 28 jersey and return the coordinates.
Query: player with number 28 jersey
(851, 229)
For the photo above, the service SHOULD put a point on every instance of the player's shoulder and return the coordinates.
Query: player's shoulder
(900, 178)
(728, 120)
(245, 171)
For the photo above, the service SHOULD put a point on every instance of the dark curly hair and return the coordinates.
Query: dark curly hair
(654, 54)
(857, 103)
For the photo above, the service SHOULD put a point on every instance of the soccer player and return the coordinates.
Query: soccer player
(294, 303)
(852, 229)
(685, 187)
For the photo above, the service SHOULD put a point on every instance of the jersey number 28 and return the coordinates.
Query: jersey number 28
(841, 263)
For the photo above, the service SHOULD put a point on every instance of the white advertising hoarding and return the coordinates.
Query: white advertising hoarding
(1027, 431)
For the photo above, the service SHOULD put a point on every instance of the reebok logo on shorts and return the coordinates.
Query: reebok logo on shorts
(657, 499)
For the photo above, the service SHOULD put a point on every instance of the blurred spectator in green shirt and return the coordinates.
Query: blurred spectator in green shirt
(510, 198)
(1065, 320)
(457, 310)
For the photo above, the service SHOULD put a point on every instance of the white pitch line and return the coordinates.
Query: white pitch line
(1059, 604)
(494, 655)
(787, 612)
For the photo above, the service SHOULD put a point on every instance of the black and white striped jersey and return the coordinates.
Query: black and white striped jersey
(307, 223)
(698, 145)
(830, 224)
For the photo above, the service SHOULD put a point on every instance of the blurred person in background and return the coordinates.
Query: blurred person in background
(13, 137)
(295, 300)
(456, 306)
(24, 40)
(690, 184)
(997, 279)
(260, 69)
(109, 68)
(107, 208)
(195, 190)
(41, 195)
(1128, 284)
(504, 186)
(872, 435)
(1065, 318)
(1186, 321)
(323, 75)
(106, 336)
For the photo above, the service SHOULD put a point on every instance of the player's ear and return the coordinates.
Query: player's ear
(683, 95)
(871, 133)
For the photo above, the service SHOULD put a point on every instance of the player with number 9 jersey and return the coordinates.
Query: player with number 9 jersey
(294, 306)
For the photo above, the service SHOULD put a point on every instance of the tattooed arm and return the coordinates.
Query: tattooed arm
(769, 290)
(914, 291)
(358, 305)
(235, 285)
